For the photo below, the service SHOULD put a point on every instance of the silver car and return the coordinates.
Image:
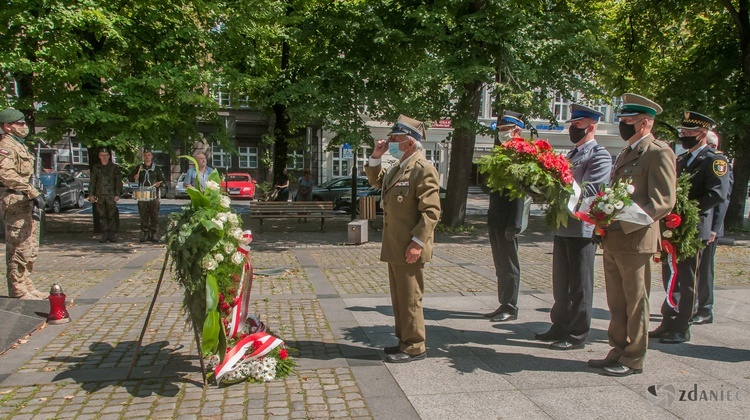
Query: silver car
(61, 191)
(331, 190)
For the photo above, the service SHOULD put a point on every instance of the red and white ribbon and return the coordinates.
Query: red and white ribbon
(237, 353)
(240, 310)
(671, 263)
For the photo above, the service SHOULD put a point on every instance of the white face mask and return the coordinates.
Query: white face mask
(22, 131)
(506, 135)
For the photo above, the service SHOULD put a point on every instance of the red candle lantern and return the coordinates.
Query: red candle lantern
(58, 313)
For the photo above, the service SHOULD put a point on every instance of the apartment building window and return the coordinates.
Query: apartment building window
(298, 159)
(11, 89)
(561, 108)
(80, 154)
(221, 95)
(433, 156)
(248, 157)
(220, 158)
(362, 156)
(616, 104)
(340, 165)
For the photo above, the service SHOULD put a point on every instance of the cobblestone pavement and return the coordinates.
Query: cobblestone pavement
(78, 370)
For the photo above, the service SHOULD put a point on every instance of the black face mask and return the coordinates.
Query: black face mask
(576, 134)
(688, 142)
(626, 130)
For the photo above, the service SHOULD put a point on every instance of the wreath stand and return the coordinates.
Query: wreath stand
(148, 318)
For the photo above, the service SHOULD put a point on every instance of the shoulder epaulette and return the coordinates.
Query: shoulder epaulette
(660, 143)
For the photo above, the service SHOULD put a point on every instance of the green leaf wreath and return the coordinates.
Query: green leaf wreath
(679, 229)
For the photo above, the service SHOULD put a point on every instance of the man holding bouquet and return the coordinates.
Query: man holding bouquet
(709, 186)
(504, 218)
(573, 249)
(629, 247)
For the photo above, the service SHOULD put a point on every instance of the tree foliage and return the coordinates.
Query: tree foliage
(690, 56)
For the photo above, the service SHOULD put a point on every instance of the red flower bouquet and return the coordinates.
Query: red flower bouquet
(522, 167)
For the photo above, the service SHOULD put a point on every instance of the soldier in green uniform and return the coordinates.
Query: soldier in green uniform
(147, 174)
(105, 192)
(17, 200)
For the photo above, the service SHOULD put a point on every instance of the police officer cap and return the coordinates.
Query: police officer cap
(409, 127)
(10, 115)
(510, 119)
(633, 104)
(579, 112)
(692, 120)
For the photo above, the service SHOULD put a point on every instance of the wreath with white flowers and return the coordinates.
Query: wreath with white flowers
(210, 259)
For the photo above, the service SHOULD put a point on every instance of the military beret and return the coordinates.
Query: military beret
(409, 127)
(579, 112)
(633, 104)
(10, 115)
(692, 120)
(510, 119)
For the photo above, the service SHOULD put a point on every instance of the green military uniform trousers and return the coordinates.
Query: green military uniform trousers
(21, 243)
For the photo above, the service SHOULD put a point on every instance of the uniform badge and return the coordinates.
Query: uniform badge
(720, 167)
(4, 152)
(402, 184)
(400, 198)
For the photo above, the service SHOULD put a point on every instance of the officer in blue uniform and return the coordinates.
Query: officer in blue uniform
(573, 248)
(504, 220)
(704, 290)
(709, 186)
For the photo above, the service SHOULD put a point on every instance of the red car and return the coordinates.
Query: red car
(239, 185)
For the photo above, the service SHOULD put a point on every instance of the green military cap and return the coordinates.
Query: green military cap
(10, 115)
(633, 104)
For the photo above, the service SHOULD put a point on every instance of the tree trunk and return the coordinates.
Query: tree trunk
(462, 154)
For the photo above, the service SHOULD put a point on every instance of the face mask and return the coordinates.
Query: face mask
(22, 131)
(394, 150)
(689, 142)
(626, 130)
(506, 135)
(576, 134)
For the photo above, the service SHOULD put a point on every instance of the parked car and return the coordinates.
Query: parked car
(331, 190)
(85, 177)
(179, 187)
(61, 191)
(239, 185)
(344, 201)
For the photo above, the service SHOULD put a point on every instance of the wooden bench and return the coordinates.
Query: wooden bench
(291, 210)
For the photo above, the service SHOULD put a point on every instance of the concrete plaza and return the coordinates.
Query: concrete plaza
(329, 300)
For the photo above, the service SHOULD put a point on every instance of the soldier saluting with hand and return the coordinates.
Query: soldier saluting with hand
(17, 201)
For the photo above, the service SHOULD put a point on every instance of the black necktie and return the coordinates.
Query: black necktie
(572, 153)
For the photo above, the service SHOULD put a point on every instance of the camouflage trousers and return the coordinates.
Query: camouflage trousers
(149, 213)
(106, 208)
(21, 244)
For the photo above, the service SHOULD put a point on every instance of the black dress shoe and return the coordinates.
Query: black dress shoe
(104, 239)
(702, 319)
(402, 357)
(391, 349)
(505, 316)
(566, 345)
(549, 336)
(494, 313)
(661, 331)
(620, 370)
(676, 338)
(601, 363)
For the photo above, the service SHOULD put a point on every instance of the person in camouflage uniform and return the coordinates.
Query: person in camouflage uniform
(147, 174)
(17, 200)
(106, 188)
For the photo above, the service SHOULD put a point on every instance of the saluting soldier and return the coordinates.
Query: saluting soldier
(504, 221)
(629, 247)
(17, 201)
(105, 191)
(147, 174)
(709, 186)
(573, 249)
(704, 290)
(411, 210)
